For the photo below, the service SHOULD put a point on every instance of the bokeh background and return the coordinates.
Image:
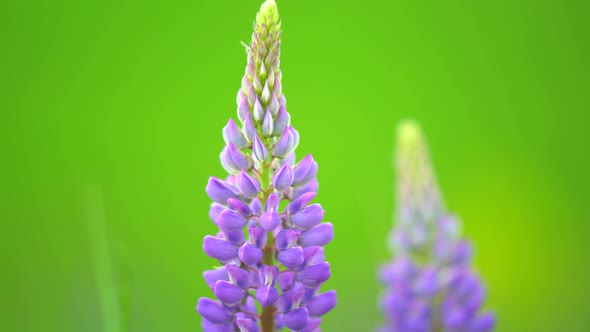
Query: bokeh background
(111, 116)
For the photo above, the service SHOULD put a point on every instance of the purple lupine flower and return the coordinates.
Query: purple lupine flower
(271, 237)
(430, 286)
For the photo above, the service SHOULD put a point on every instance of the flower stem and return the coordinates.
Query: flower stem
(267, 317)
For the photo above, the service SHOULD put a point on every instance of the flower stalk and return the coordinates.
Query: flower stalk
(430, 286)
(270, 259)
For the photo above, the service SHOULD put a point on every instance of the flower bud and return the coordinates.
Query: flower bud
(305, 171)
(285, 144)
(283, 178)
(249, 128)
(282, 121)
(259, 150)
(247, 185)
(233, 134)
(233, 160)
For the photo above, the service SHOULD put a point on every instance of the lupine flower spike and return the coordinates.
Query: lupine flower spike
(430, 286)
(270, 240)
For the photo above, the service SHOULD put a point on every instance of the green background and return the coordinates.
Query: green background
(121, 104)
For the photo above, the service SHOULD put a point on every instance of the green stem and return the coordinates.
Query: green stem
(267, 319)
(268, 258)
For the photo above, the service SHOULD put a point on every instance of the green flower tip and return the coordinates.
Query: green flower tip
(268, 13)
(411, 144)
(409, 134)
(413, 163)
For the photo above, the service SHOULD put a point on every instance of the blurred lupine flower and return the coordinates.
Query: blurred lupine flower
(270, 240)
(430, 286)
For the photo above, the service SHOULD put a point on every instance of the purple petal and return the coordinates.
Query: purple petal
(248, 185)
(265, 95)
(243, 109)
(283, 178)
(232, 133)
(455, 318)
(252, 98)
(301, 202)
(239, 97)
(270, 220)
(282, 100)
(230, 220)
(268, 274)
(313, 326)
(215, 210)
(256, 206)
(257, 84)
(258, 110)
(463, 285)
(267, 124)
(220, 191)
(448, 226)
(291, 258)
(238, 276)
(241, 207)
(322, 303)
(209, 326)
(311, 186)
(461, 253)
(286, 280)
(289, 159)
(213, 311)
(273, 106)
(418, 319)
(267, 295)
(314, 275)
(308, 217)
(249, 305)
(258, 236)
(272, 202)
(254, 279)
(483, 323)
(279, 322)
(236, 237)
(278, 88)
(318, 236)
(475, 299)
(295, 137)
(289, 299)
(427, 283)
(282, 121)
(231, 179)
(246, 85)
(259, 149)
(248, 127)
(233, 159)
(398, 271)
(296, 319)
(305, 171)
(228, 293)
(286, 238)
(247, 325)
(313, 255)
(284, 145)
(218, 248)
(249, 254)
(213, 276)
